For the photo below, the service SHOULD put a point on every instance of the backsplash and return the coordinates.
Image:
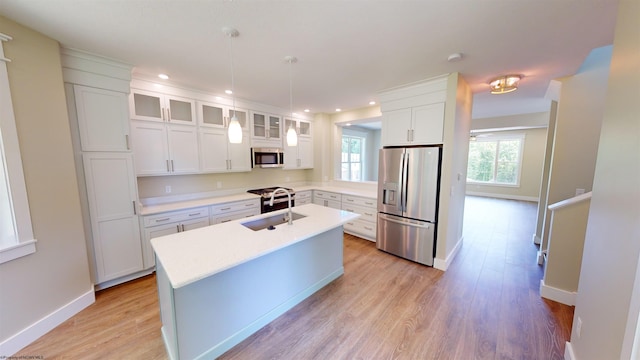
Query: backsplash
(157, 186)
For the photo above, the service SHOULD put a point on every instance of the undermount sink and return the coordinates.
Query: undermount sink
(270, 222)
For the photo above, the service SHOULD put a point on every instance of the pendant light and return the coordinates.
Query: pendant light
(292, 136)
(235, 130)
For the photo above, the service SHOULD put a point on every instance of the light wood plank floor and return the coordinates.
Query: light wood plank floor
(486, 306)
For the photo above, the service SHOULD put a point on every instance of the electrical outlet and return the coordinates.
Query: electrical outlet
(167, 189)
(219, 184)
(578, 326)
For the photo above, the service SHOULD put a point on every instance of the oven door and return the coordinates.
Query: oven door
(278, 204)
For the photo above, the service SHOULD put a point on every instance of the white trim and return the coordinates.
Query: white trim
(568, 352)
(570, 201)
(124, 279)
(25, 337)
(18, 250)
(444, 264)
(536, 239)
(557, 295)
(504, 196)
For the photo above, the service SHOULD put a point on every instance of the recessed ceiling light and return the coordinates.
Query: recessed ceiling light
(228, 92)
(372, 102)
(454, 57)
(306, 110)
(338, 109)
(163, 76)
(218, 97)
(348, 124)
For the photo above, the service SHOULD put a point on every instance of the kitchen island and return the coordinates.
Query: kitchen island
(219, 284)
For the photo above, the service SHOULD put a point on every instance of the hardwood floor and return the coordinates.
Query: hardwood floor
(486, 306)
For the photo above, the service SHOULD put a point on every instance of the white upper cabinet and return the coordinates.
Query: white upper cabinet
(164, 149)
(421, 125)
(414, 114)
(216, 153)
(266, 130)
(300, 156)
(102, 119)
(152, 106)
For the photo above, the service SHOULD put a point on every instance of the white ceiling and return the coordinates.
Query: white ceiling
(347, 50)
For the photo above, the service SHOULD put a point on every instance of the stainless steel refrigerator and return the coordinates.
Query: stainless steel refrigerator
(408, 186)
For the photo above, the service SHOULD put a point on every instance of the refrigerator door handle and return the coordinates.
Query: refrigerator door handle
(403, 185)
(406, 223)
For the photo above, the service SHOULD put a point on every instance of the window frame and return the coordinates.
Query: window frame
(363, 140)
(497, 138)
(25, 242)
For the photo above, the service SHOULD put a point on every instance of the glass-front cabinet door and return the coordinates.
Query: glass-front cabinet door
(259, 125)
(241, 115)
(304, 128)
(274, 127)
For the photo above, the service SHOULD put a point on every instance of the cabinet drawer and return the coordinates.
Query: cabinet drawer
(326, 195)
(301, 195)
(368, 214)
(327, 203)
(300, 202)
(175, 216)
(236, 206)
(223, 218)
(359, 201)
(363, 228)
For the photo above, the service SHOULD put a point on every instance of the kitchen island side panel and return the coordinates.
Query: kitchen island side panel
(216, 313)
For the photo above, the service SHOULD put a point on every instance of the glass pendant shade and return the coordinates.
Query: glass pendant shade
(292, 137)
(235, 131)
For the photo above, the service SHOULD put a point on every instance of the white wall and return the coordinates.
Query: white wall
(608, 294)
(34, 289)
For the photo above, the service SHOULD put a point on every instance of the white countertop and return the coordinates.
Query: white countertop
(157, 208)
(196, 254)
(188, 204)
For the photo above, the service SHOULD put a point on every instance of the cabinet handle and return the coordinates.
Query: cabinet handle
(350, 200)
(248, 204)
(134, 208)
(368, 214)
(225, 209)
(162, 114)
(368, 228)
(368, 203)
(160, 220)
(224, 221)
(178, 228)
(172, 168)
(168, 166)
(350, 210)
(126, 141)
(408, 135)
(195, 214)
(182, 227)
(168, 114)
(412, 133)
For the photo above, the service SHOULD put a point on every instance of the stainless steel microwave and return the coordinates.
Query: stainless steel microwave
(267, 157)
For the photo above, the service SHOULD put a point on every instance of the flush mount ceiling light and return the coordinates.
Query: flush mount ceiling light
(235, 130)
(292, 136)
(504, 84)
(163, 76)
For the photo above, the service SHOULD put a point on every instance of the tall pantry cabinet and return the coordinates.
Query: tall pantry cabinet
(97, 101)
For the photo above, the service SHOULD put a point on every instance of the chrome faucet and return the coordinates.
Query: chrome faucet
(290, 221)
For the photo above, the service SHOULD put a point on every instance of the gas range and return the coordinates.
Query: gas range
(280, 201)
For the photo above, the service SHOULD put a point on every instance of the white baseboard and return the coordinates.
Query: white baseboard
(443, 265)
(504, 196)
(30, 334)
(568, 352)
(558, 295)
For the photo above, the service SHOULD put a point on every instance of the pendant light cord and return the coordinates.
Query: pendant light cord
(233, 90)
(291, 89)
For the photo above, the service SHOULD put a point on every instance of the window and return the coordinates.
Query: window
(495, 159)
(352, 156)
(16, 232)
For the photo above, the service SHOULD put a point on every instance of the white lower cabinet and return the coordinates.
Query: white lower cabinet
(365, 225)
(111, 194)
(303, 198)
(327, 199)
(171, 223)
(222, 213)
